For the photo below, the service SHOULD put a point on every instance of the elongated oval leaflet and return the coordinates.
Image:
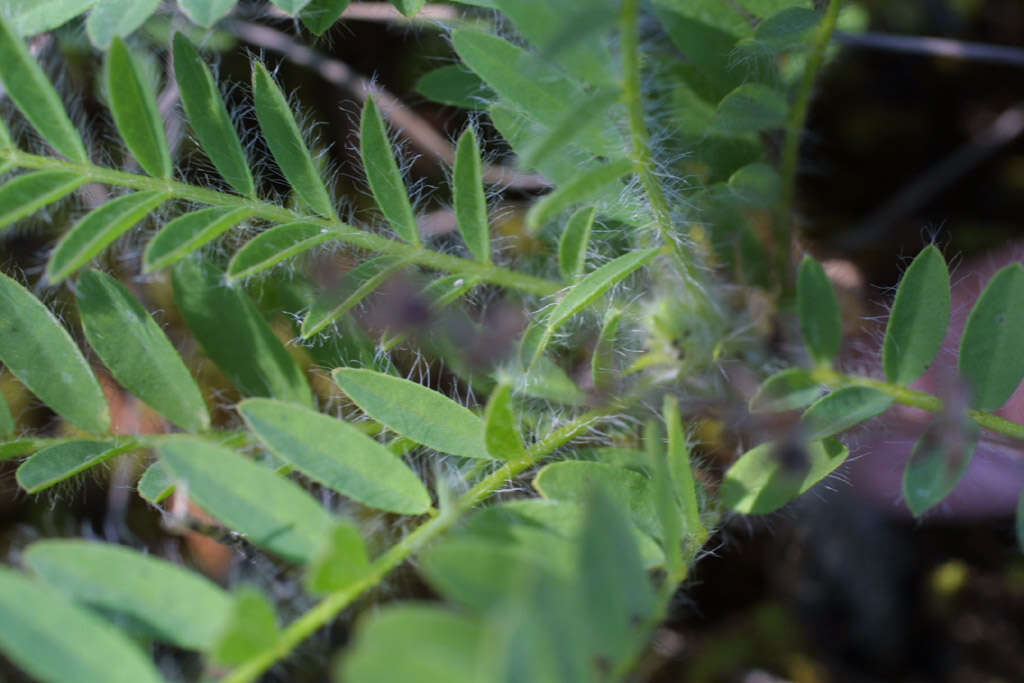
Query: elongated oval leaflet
(137, 352)
(320, 15)
(62, 461)
(602, 364)
(286, 143)
(30, 89)
(117, 18)
(187, 233)
(343, 561)
(681, 471)
(176, 606)
(501, 429)
(572, 246)
(456, 86)
(135, 111)
(40, 352)
(233, 333)
(768, 476)
(665, 503)
(415, 412)
(820, 322)
(938, 462)
(209, 117)
(29, 192)
(990, 350)
(337, 455)
(206, 13)
(156, 483)
(355, 286)
(383, 175)
(789, 389)
(468, 197)
(98, 230)
(595, 284)
(54, 640)
(583, 187)
(272, 511)
(919, 318)
(275, 245)
(842, 409)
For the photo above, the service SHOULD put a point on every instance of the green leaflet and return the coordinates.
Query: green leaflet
(595, 284)
(64, 460)
(383, 175)
(415, 412)
(602, 365)
(291, 6)
(133, 103)
(665, 503)
(572, 246)
(17, 448)
(938, 462)
(756, 185)
(30, 89)
(770, 475)
(343, 561)
(355, 286)
(28, 17)
(842, 409)
(337, 455)
(29, 192)
(681, 471)
(251, 628)
(820, 322)
(751, 107)
(591, 112)
(209, 117)
(919, 318)
(455, 86)
(790, 389)
(156, 483)
(275, 245)
(98, 230)
(767, 8)
(206, 13)
(468, 197)
(5, 137)
(189, 232)
(40, 352)
(786, 29)
(53, 640)
(408, 7)
(501, 428)
(235, 336)
(708, 45)
(7, 424)
(137, 352)
(117, 18)
(286, 143)
(990, 350)
(175, 605)
(320, 15)
(583, 187)
(273, 512)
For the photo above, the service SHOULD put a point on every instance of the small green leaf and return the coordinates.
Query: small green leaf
(209, 117)
(286, 143)
(408, 7)
(751, 107)
(98, 230)
(53, 640)
(29, 192)
(572, 246)
(501, 428)
(135, 111)
(919, 318)
(156, 483)
(117, 18)
(756, 185)
(272, 512)
(820, 322)
(789, 389)
(275, 245)
(584, 187)
(30, 89)
(602, 366)
(787, 29)
(251, 628)
(343, 561)
(137, 352)
(665, 502)
(31, 17)
(990, 350)
(55, 464)
(320, 15)
(681, 471)
(938, 462)
(40, 352)
(770, 475)
(842, 409)
(468, 197)
(177, 606)
(337, 455)
(206, 13)
(291, 6)
(415, 412)
(187, 233)
(235, 336)
(18, 448)
(455, 86)
(355, 285)
(383, 175)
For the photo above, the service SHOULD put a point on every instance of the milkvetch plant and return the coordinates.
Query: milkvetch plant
(551, 498)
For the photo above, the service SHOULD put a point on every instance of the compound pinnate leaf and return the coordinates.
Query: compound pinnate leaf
(209, 117)
(137, 352)
(272, 511)
(468, 197)
(938, 462)
(842, 409)
(135, 111)
(572, 246)
(415, 412)
(990, 350)
(176, 606)
(64, 460)
(337, 455)
(117, 18)
(919, 318)
(251, 628)
(187, 233)
(30, 89)
(789, 389)
(98, 230)
(29, 192)
(40, 352)
(820, 322)
(54, 640)
(770, 475)
(273, 246)
(383, 175)
(206, 12)
(501, 429)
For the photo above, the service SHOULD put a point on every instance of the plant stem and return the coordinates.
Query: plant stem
(269, 211)
(791, 145)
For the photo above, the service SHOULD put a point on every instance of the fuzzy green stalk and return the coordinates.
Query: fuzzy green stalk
(427, 258)
(783, 224)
